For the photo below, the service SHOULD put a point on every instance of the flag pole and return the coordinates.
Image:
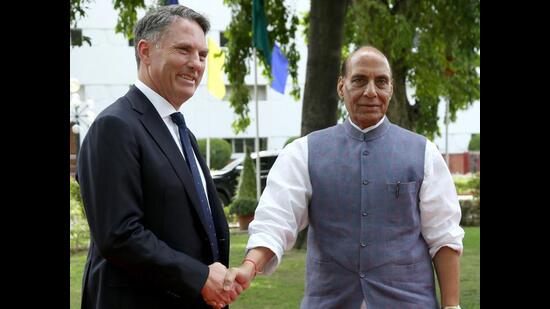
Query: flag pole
(257, 139)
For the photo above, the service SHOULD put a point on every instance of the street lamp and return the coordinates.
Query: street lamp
(81, 111)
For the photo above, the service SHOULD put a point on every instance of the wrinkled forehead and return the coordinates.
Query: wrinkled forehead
(369, 59)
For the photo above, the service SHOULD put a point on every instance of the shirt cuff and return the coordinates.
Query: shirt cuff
(455, 247)
(265, 240)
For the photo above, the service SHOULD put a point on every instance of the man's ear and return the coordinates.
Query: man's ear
(339, 87)
(144, 50)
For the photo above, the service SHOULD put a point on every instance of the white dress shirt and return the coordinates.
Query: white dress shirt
(165, 109)
(282, 209)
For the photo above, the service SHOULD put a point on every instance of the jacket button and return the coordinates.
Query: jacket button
(365, 153)
(365, 182)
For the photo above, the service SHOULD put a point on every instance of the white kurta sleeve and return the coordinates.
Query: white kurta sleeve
(282, 209)
(439, 208)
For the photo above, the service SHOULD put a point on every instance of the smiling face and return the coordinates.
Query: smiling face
(367, 87)
(173, 67)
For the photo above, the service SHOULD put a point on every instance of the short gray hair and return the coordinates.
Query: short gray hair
(151, 27)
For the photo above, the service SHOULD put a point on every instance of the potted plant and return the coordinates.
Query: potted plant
(245, 201)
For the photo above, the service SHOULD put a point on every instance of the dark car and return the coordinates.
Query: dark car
(227, 178)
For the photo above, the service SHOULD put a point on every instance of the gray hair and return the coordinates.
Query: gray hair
(151, 27)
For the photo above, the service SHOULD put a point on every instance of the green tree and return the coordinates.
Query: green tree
(220, 152)
(127, 15)
(282, 29)
(432, 44)
(245, 201)
(474, 142)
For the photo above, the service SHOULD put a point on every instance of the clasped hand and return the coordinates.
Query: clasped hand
(224, 286)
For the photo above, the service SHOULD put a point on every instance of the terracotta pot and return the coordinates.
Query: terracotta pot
(244, 221)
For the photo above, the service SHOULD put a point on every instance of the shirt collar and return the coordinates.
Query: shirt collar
(163, 107)
(367, 129)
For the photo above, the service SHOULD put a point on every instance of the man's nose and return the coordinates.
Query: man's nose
(194, 61)
(370, 90)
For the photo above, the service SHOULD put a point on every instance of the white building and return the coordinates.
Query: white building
(107, 69)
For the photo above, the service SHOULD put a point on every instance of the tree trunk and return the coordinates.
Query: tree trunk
(400, 112)
(326, 36)
(325, 39)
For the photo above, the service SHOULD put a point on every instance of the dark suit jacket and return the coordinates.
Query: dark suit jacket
(149, 247)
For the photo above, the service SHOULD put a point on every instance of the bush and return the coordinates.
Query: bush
(470, 212)
(474, 185)
(243, 206)
(466, 184)
(220, 152)
(79, 230)
(245, 201)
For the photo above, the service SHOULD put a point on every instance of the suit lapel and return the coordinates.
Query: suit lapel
(159, 132)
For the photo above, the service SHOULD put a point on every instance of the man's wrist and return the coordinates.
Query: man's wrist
(452, 307)
(250, 267)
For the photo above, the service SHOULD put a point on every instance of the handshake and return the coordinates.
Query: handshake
(224, 286)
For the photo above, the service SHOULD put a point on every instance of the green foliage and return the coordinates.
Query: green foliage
(474, 183)
(290, 140)
(243, 206)
(127, 15)
(78, 10)
(247, 180)
(474, 142)
(79, 230)
(245, 201)
(466, 184)
(282, 27)
(220, 152)
(435, 43)
(470, 213)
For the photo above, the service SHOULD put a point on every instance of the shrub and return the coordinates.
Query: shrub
(245, 201)
(220, 152)
(470, 213)
(79, 230)
(243, 206)
(466, 184)
(474, 185)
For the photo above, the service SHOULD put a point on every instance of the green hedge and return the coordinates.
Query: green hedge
(79, 230)
(220, 152)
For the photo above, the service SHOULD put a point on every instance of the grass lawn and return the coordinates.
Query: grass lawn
(285, 288)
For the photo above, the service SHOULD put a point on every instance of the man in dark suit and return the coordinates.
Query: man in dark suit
(159, 237)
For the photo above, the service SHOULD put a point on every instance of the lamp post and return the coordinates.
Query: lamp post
(81, 112)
